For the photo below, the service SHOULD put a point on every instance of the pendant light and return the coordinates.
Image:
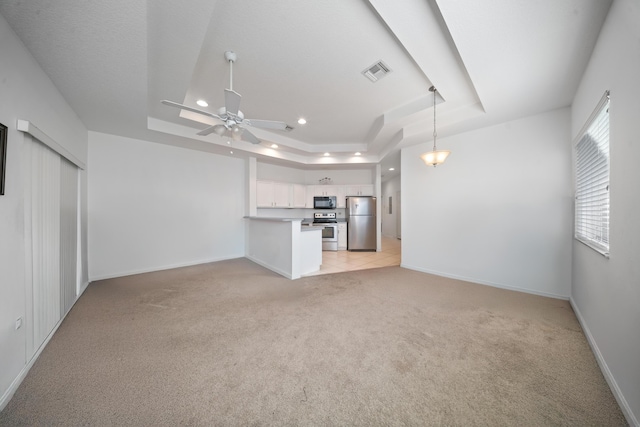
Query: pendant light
(435, 157)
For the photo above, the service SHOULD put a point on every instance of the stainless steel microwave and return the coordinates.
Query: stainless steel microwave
(324, 202)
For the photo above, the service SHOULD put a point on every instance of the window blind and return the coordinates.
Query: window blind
(592, 180)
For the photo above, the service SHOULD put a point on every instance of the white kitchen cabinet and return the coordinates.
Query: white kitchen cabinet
(324, 190)
(359, 190)
(367, 190)
(309, 198)
(320, 190)
(271, 194)
(264, 194)
(299, 198)
(342, 236)
(282, 195)
(310, 195)
(341, 191)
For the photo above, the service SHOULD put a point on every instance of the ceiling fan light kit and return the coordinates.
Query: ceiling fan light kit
(232, 118)
(434, 157)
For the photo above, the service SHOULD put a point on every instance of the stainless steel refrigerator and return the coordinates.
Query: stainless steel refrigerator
(361, 224)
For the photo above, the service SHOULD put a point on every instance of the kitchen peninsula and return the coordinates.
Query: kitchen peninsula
(284, 245)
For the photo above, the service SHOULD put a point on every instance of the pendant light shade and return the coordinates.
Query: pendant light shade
(434, 157)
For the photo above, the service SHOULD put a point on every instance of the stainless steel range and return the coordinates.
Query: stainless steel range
(330, 229)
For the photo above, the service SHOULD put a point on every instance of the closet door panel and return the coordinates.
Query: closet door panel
(68, 234)
(45, 241)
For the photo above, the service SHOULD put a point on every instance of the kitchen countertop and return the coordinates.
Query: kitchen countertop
(269, 218)
(306, 223)
(304, 226)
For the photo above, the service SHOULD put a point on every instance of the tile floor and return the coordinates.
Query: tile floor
(336, 262)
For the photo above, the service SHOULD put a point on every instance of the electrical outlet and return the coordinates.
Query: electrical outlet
(18, 323)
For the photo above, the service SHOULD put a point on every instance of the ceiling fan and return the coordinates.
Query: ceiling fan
(232, 118)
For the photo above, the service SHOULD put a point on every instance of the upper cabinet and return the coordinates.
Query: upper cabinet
(359, 190)
(322, 190)
(271, 194)
(299, 197)
(282, 195)
(319, 190)
(264, 194)
(340, 195)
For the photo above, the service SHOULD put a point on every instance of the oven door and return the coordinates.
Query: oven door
(329, 236)
(329, 232)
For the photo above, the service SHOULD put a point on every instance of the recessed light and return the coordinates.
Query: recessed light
(274, 145)
(228, 142)
(327, 154)
(301, 121)
(392, 169)
(230, 152)
(358, 153)
(202, 103)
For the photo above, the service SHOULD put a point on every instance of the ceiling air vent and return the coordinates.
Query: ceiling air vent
(377, 71)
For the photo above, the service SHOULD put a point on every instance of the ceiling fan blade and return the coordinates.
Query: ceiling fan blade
(266, 124)
(249, 137)
(194, 110)
(217, 129)
(232, 101)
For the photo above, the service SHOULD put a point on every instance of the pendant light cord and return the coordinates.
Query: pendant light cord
(435, 157)
(435, 134)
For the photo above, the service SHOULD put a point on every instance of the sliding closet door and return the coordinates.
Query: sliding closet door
(44, 195)
(51, 239)
(68, 234)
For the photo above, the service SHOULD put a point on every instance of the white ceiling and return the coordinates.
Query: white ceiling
(492, 61)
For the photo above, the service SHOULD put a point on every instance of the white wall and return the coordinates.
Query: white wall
(499, 211)
(26, 93)
(154, 206)
(341, 177)
(269, 172)
(606, 292)
(390, 189)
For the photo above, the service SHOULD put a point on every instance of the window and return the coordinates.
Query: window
(592, 180)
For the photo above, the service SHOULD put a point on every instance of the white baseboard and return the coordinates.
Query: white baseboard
(482, 282)
(6, 397)
(606, 372)
(160, 268)
(281, 272)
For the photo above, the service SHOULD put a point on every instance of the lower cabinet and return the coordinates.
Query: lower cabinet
(342, 236)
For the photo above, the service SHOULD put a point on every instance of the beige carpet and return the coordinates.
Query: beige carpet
(231, 343)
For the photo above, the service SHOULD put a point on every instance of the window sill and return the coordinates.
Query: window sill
(603, 252)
